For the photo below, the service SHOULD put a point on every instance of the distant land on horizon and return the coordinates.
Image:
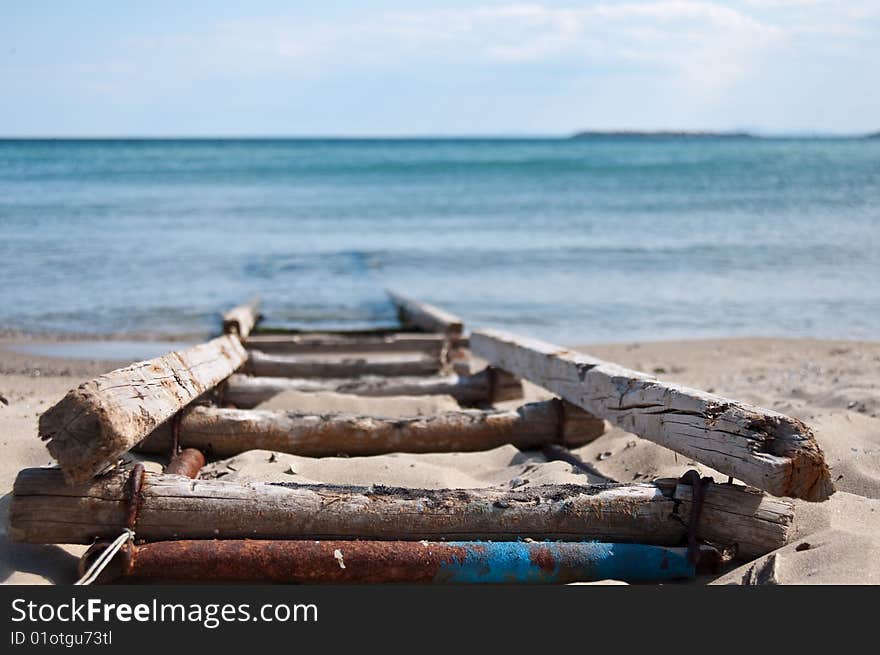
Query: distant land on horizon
(699, 134)
(663, 134)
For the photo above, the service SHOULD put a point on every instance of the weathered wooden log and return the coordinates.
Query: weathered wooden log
(758, 446)
(227, 432)
(46, 510)
(423, 316)
(487, 386)
(241, 320)
(749, 528)
(307, 561)
(103, 418)
(336, 366)
(283, 330)
(320, 343)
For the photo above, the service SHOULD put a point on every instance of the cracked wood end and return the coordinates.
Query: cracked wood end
(103, 418)
(763, 448)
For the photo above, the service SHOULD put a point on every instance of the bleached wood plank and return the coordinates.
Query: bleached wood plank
(284, 331)
(487, 386)
(323, 343)
(761, 447)
(340, 366)
(426, 317)
(240, 320)
(103, 418)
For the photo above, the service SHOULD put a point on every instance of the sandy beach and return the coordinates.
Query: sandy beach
(834, 386)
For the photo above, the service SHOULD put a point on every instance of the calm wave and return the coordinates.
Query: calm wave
(592, 240)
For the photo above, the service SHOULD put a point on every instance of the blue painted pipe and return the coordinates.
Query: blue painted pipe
(560, 562)
(365, 562)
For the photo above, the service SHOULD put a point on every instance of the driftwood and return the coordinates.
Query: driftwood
(103, 418)
(423, 316)
(758, 446)
(227, 432)
(487, 386)
(284, 331)
(167, 507)
(241, 320)
(341, 366)
(321, 343)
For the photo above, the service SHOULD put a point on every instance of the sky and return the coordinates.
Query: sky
(425, 67)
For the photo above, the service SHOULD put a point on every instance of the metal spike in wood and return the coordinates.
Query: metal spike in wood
(46, 510)
(94, 424)
(763, 448)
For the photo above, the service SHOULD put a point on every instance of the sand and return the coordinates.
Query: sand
(832, 385)
(401, 406)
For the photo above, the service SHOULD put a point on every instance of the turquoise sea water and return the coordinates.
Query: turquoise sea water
(595, 240)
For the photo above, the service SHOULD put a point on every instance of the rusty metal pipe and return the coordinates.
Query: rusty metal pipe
(187, 462)
(348, 562)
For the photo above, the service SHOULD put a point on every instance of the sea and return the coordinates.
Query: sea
(600, 239)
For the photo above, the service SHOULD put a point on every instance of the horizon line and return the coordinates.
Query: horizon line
(582, 134)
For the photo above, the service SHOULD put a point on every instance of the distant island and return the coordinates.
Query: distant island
(661, 134)
(687, 134)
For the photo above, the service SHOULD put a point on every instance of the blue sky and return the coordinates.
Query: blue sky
(91, 68)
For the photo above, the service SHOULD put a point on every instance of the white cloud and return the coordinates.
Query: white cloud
(702, 40)
(776, 4)
(481, 29)
(697, 39)
(695, 59)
